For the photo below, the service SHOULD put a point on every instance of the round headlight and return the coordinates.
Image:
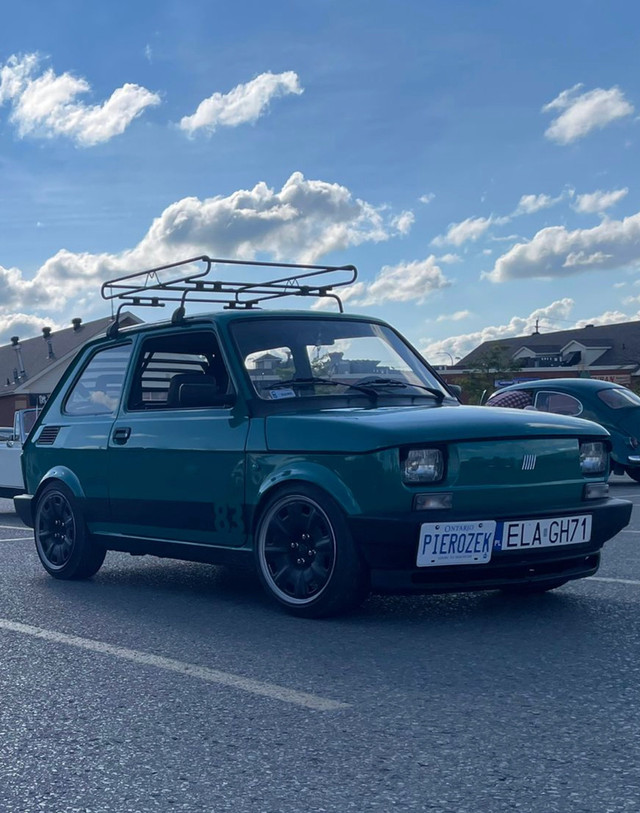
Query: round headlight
(423, 466)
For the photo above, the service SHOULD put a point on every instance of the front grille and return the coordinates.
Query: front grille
(48, 435)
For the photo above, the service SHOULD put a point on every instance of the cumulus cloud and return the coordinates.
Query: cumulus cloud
(583, 112)
(303, 221)
(406, 282)
(23, 325)
(529, 204)
(426, 198)
(44, 104)
(458, 233)
(517, 326)
(244, 104)
(596, 202)
(453, 317)
(557, 252)
(403, 222)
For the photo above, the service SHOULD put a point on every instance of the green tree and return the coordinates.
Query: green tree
(494, 363)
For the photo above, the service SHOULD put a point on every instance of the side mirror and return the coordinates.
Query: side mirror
(455, 389)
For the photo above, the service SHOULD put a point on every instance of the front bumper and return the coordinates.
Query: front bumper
(389, 546)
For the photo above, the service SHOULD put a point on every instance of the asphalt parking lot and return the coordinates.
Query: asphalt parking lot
(167, 686)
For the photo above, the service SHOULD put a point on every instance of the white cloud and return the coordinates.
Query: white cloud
(448, 259)
(427, 198)
(303, 221)
(245, 103)
(534, 203)
(44, 105)
(403, 222)
(413, 281)
(23, 325)
(458, 233)
(517, 326)
(584, 112)
(557, 252)
(598, 201)
(453, 317)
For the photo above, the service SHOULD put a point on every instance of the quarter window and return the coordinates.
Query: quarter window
(98, 390)
(558, 402)
(179, 371)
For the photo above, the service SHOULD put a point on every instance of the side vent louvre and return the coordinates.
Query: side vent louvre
(48, 435)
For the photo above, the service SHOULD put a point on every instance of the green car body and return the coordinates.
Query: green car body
(227, 479)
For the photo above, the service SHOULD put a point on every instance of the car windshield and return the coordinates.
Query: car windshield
(289, 358)
(619, 398)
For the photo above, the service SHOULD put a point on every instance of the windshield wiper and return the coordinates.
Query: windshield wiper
(292, 382)
(394, 382)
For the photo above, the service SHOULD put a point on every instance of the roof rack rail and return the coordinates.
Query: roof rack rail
(150, 289)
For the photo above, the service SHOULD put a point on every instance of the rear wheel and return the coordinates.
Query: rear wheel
(62, 541)
(633, 472)
(306, 557)
(533, 588)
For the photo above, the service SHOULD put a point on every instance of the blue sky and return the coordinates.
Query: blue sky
(478, 161)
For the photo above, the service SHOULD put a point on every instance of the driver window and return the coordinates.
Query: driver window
(98, 390)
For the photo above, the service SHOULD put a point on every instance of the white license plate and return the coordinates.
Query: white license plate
(470, 543)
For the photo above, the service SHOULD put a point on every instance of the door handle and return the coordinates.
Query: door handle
(121, 434)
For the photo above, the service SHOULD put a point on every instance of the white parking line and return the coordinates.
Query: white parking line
(14, 527)
(15, 539)
(310, 701)
(614, 581)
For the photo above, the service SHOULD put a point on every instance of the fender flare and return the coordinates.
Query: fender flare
(64, 475)
(312, 474)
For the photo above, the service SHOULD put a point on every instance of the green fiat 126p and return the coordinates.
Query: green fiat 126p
(320, 446)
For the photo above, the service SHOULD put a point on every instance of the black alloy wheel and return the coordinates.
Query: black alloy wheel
(64, 547)
(306, 557)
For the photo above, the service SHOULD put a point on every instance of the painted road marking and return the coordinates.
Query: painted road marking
(15, 539)
(310, 701)
(615, 581)
(15, 527)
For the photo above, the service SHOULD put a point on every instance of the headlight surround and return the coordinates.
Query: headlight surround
(594, 458)
(422, 466)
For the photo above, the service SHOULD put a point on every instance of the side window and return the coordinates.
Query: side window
(558, 402)
(98, 389)
(179, 371)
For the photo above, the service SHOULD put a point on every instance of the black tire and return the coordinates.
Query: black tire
(306, 558)
(63, 544)
(534, 588)
(633, 472)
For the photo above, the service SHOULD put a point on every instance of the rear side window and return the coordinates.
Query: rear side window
(179, 371)
(558, 402)
(98, 389)
(619, 398)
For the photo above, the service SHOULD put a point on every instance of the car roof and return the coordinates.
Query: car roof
(585, 385)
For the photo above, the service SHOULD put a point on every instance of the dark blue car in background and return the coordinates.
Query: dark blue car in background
(611, 405)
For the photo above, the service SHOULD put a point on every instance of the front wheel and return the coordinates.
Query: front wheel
(533, 588)
(62, 541)
(307, 560)
(633, 472)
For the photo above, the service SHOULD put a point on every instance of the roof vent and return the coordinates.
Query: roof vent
(15, 340)
(46, 335)
(589, 326)
(77, 323)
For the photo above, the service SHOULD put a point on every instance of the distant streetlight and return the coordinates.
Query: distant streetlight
(444, 353)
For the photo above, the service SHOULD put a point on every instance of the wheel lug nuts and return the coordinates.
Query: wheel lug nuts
(293, 546)
(299, 561)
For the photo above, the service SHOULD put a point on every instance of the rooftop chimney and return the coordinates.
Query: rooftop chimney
(19, 374)
(77, 323)
(46, 335)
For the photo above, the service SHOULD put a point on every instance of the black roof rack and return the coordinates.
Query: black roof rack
(150, 288)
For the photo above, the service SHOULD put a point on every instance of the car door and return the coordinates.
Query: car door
(176, 450)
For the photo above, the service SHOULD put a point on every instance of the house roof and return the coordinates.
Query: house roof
(34, 352)
(622, 341)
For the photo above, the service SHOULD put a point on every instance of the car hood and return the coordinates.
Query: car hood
(362, 430)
